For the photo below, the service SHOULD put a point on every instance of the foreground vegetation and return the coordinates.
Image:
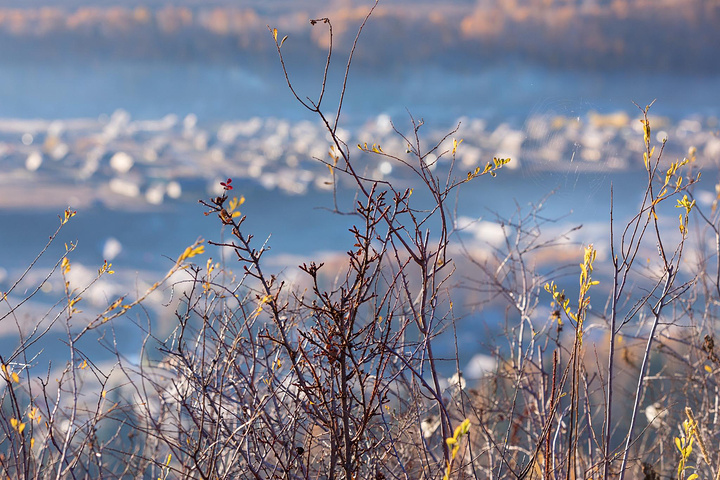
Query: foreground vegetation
(336, 375)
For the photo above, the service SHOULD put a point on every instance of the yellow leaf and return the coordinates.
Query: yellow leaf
(67, 215)
(17, 425)
(115, 304)
(455, 145)
(106, 268)
(236, 202)
(646, 131)
(708, 368)
(65, 266)
(274, 32)
(15, 377)
(465, 426)
(191, 251)
(34, 415)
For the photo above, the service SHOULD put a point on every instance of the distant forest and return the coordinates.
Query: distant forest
(656, 35)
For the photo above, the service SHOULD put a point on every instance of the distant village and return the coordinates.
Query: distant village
(127, 163)
(657, 35)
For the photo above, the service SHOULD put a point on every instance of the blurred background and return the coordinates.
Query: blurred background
(130, 112)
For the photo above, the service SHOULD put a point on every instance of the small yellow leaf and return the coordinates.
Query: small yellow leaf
(106, 268)
(708, 368)
(17, 425)
(65, 266)
(115, 304)
(235, 203)
(455, 145)
(67, 215)
(191, 251)
(465, 426)
(274, 32)
(15, 377)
